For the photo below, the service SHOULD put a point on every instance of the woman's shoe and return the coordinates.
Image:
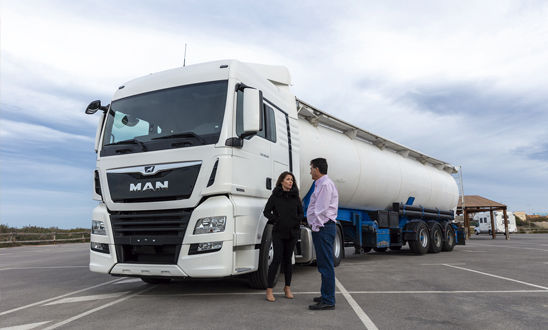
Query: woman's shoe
(288, 293)
(270, 295)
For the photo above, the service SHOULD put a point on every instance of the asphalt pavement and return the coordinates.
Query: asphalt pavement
(486, 284)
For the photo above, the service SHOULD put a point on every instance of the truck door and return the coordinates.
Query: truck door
(252, 166)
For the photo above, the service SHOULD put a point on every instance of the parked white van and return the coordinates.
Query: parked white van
(484, 222)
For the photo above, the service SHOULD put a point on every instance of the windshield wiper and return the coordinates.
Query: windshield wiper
(181, 135)
(130, 141)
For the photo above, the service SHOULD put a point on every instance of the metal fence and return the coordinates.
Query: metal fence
(19, 238)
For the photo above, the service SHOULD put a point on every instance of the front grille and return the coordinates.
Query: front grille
(152, 237)
(167, 185)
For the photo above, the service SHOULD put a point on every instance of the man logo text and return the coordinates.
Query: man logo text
(148, 186)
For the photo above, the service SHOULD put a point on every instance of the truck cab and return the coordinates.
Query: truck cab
(186, 160)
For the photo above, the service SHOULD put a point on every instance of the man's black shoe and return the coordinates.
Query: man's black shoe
(318, 299)
(321, 306)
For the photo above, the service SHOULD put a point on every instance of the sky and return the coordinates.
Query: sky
(462, 81)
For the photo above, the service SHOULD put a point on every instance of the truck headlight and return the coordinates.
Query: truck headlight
(98, 227)
(210, 225)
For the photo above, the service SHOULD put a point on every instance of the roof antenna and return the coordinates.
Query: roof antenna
(184, 60)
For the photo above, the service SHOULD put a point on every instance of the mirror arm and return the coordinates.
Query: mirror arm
(241, 87)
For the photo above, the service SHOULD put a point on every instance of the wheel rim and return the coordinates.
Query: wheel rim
(337, 246)
(451, 237)
(423, 234)
(437, 238)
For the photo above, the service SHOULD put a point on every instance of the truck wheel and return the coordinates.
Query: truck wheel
(449, 242)
(395, 248)
(366, 249)
(153, 280)
(378, 249)
(259, 279)
(338, 246)
(421, 244)
(436, 239)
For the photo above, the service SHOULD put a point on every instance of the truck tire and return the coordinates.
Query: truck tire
(422, 243)
(378, 249)
(449, 242)
(259, 278)
(338, 246)
(155, 280)
(436, 239)
(395, 248)
(366, 249)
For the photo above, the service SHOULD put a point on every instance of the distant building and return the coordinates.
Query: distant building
(521, 215)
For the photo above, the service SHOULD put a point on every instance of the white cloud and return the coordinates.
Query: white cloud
(46, 208)
(463, 81)
(13, 131)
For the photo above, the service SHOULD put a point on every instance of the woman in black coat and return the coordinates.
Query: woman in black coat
(285, 211)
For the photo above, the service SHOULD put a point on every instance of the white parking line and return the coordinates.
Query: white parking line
(504, 278)
(88, 298)
(296, 293)
(56, 325)
(54, 298)
(130, 280)
(369, 325)
(436, 292)
(510, 247)
(26, 326)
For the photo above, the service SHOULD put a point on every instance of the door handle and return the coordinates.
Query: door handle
(269, 183)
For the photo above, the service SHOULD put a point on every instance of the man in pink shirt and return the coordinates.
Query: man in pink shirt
(321, 216)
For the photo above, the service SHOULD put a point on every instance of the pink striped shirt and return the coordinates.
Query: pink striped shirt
(324, 203)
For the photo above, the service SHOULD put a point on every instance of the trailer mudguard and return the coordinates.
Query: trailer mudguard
(410, 231)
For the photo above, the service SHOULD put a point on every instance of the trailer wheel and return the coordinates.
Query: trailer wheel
(338, 246)
(154, 280)
(366, 249)
(449, 242)
(436, 241)
(378, 249)
(259, 279)
(421, 244)
(395, 248)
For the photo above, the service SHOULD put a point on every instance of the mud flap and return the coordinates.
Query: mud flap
(460, 236)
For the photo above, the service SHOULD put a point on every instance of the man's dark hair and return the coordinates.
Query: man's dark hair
(320, 164)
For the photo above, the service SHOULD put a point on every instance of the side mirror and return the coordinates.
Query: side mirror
(253, 105)
(94, 106)
(98, 132)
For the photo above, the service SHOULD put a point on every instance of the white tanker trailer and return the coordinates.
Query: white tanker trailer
(186, 159)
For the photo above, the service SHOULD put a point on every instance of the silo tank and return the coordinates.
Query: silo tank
(369, 178)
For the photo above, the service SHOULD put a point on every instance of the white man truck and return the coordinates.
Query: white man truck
(187, 158)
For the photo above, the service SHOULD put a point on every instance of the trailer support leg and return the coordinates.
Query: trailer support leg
(357, 221)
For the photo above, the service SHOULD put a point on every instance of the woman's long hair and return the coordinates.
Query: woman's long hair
(282, 177)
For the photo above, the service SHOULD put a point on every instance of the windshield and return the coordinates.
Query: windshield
(192, 115)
